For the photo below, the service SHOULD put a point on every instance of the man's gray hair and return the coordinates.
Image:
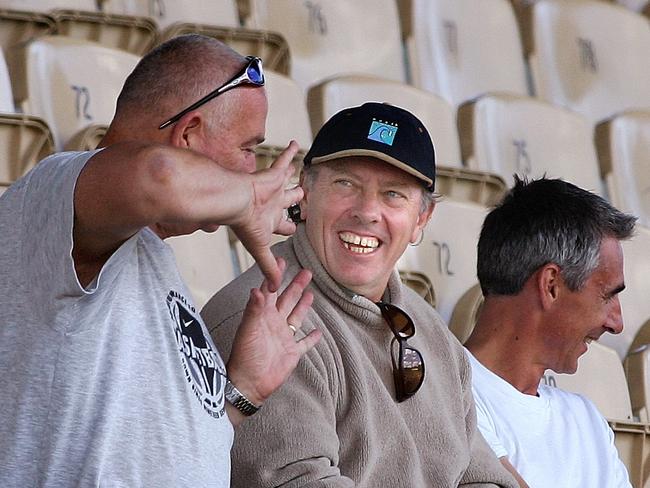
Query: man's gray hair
(545, 221)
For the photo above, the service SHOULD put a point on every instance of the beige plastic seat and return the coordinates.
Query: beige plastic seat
(327, 98)
(624, 149)
(589, 56)
(17, 26)
(6, 97)
(637, 371)
(508, 134)
(601, 378)
(635, 305)
(334, 37)
(68, 82)
(634, 5)
(287, 119)
(47, 5)
(204, 261)
(465, 314)
(460, 49)
(24, 141)
(447, 253)
(215, 12)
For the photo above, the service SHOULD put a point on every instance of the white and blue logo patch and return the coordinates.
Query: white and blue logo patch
(383, 132)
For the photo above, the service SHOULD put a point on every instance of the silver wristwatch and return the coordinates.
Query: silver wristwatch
(237, 399)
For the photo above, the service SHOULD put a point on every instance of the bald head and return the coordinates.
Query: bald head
(174, 75)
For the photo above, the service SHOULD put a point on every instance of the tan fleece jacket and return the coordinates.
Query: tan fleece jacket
(335, 422)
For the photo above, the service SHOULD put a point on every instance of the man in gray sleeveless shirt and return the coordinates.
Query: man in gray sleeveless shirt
(107, 374)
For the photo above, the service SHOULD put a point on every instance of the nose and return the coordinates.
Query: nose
(367, 209)
(614, 323)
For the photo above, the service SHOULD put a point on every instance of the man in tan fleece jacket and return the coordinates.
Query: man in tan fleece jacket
(385, 398)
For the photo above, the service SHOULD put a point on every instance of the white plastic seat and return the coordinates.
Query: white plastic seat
(47, 5)
(335, 94)
(447, 253)
(335, 37)
(68, 82)
(460, 49)
(507, 134)
(624, 149)
(6, 96)
(204, 261)
(590, 56)
(214, 12)
(288, 117)
(637, 371)
(601, 378)
(634, 5)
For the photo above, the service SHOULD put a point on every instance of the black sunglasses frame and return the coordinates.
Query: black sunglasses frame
(241, 78)
(390, 313)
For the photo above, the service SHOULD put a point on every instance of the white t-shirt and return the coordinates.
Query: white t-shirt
(557, 439)
(115, 385)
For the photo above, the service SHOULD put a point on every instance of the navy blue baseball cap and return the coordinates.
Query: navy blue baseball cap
(379, 130)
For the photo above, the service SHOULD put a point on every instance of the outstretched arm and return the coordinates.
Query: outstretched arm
(265, 352)
(130, 185)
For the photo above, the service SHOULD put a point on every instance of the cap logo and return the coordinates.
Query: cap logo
(383, 132)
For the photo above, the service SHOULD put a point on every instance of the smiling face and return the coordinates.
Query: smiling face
(584, 315)
(360, 214)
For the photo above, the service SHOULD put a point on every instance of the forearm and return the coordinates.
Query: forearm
(129, 186)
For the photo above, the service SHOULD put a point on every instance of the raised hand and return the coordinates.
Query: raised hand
(265, 351)
(266, 214)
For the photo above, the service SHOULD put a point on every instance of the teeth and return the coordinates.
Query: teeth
(588, 340)
(368, 243)
(360, 250)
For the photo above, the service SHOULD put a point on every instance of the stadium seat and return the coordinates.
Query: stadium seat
(325, 38)
(47, 5)
(68, 82)
(327, 98)
(601, 378)
(6, 97)
(216, 12)
(589, 56)
(623, 144)
(460, 49)
(24, 141)
(204, 261)
(634, 5)
(465, 313)
(129, 33)
(507, 134)
(287, 119)
(637, 371)
(447, 253)
(87, 138)
(634, 299)
(17, 26)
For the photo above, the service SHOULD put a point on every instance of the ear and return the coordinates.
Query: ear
(423, 220)
(549, 284)
(187, 132)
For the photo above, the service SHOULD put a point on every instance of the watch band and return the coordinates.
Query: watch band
(237, 399)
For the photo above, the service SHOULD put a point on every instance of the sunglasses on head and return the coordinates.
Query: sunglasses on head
(251, 74)
(408, 369)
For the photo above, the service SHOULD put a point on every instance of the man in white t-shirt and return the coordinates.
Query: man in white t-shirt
(550, 266)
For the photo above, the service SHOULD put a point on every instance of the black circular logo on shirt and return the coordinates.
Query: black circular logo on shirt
(204, 369)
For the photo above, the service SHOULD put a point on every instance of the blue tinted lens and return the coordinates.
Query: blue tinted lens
(254, 73)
